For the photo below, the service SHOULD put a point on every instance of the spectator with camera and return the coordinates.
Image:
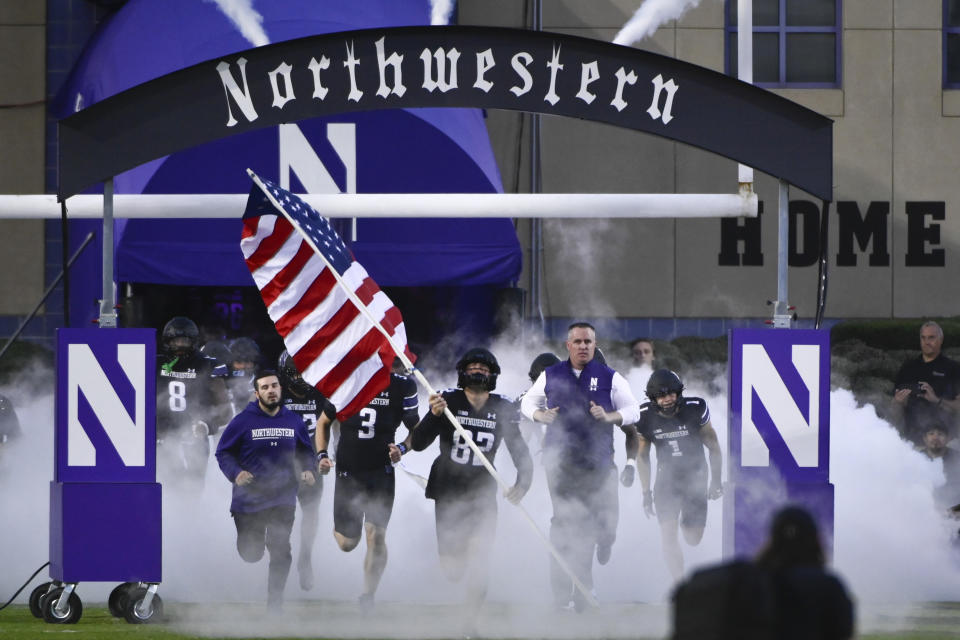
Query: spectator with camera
(925, 389)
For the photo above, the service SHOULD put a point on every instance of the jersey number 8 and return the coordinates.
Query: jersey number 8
(177, 392)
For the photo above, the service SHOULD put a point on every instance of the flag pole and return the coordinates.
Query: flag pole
(420, 378)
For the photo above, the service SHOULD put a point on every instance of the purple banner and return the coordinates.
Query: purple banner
(779, 432)
(105, 406)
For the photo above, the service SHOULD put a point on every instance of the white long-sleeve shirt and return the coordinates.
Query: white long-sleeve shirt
(621, 397)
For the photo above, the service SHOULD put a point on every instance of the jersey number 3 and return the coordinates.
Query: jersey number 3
(368, 419)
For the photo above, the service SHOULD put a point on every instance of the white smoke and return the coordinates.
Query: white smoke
(249, 22)
(892, 547)
(649, 17)
(440, 11)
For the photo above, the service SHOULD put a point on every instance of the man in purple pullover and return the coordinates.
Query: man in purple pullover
(266, 452)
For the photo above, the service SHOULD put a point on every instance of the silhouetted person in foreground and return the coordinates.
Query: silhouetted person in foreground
(811, 602)
(786, 594)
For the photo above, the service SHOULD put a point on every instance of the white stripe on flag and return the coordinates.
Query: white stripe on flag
(280, 259)
(264, 229)
(321, 314)
(341, 345)
(358, 379)
(291, 295)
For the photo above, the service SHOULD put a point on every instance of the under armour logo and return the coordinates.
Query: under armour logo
(491, 416)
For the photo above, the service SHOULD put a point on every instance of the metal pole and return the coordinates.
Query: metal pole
(64, 252)
(745, 70)
(108, 312)
(781, 310)
(46, 294)
(536, 175)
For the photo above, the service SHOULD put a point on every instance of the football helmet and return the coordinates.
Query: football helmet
(478, 354)
(540, 363)
(663, 382)
(598, 356)
(245, 350)
(180, 336)
(218, 350)
(289, 375)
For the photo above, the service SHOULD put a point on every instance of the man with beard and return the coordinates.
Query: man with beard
(364, 490)
(192, 403)
(317, 412)
(581, 400)
(679, 428)
(266, 453)
(463, 491)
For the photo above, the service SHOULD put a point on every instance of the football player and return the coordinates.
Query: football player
(679, 428)
(365, 480)
(463, 491)
(244, 361)
(9, 424)
(316, 410)
(191, 402)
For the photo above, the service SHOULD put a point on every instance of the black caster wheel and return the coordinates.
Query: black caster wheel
(48, 605)
(117, 601)
(35, 596)
(133, 614)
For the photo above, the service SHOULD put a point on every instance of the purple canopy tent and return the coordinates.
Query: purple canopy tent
(397, 151)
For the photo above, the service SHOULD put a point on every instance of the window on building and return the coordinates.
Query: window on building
(951, 44)
(796, 43)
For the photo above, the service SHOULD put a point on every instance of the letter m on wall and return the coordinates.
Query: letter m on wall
(106, 401)
(780, 401)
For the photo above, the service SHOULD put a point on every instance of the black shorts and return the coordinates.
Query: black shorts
(362, 495)
(460, 519)
(686, 498)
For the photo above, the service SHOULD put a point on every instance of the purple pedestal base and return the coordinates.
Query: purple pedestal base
(750, 503)
(105, 532)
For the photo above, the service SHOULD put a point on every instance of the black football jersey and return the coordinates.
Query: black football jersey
(185, 393)
(309, 407)
(364, 437)
(680, 450)
(457, 469)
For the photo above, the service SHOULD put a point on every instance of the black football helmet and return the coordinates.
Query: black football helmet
(477, 354)
(218, 350)
(245, 350)
(174, 331)
(598, 356)
(663, 382)
(540, 363)
(290, 377)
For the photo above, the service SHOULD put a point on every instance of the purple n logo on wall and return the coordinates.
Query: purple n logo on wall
(779, 409)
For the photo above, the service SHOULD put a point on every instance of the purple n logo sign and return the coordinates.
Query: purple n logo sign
(779, 441)
(106, 426)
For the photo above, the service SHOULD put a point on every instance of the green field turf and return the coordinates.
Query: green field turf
(929, 621)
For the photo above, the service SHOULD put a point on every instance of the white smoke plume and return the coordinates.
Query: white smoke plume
(440, 12)
(242, 14)
(649, 17)
(891, 545)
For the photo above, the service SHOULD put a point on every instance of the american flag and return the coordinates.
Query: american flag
(335, 346)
